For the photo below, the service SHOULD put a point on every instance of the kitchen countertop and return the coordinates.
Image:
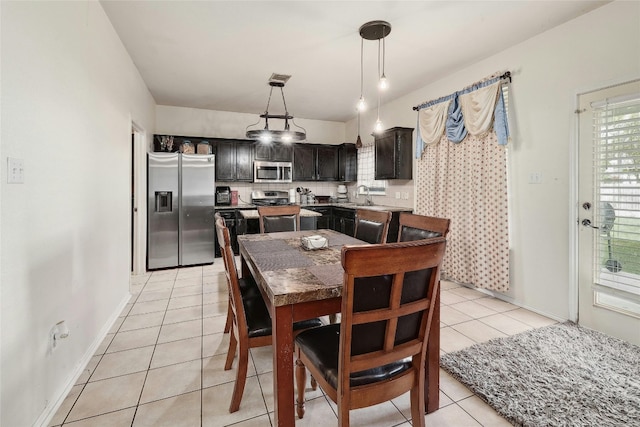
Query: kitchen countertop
(336, 205)
(253, 213)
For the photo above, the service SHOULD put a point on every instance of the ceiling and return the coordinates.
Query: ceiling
(219, 55)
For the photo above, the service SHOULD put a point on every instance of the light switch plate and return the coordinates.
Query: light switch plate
(15, 171)
(535, 178)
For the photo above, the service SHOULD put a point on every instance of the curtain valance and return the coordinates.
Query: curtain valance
(472, 110)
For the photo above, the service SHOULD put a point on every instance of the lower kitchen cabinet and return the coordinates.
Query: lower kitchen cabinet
(344, 220)
(325, 221)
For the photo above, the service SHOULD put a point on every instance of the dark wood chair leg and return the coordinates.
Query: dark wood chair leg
(314, 384)
(227, 325)
(301, 382)
(231, 353)
(241, 378)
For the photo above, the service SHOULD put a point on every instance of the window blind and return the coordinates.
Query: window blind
(616, 127)
(366, 171)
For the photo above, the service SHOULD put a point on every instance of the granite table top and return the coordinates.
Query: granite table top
(290, 274)
(253, 213)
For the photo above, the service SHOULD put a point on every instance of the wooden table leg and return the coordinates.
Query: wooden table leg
(432, 370)
(282, 325)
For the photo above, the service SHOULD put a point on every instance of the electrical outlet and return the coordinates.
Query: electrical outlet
(405, 195)
(15, 171)
(397, 194)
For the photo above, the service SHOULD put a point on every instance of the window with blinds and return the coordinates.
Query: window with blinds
(366, 171)
(616, 127)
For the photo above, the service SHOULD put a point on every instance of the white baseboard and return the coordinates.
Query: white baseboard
(54, 404)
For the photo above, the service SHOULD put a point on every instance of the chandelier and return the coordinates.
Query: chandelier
(270, 135)
(373, 30)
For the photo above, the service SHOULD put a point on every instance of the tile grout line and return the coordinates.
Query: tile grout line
(146, 374)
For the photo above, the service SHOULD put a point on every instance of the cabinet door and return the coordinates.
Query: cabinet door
(282, 152)
(262, 151)
(385, 154)
(349, 227)
(244, 161)
(304, 162)
(225, 161)
(327, 163)
(347, 163)
(404, 154)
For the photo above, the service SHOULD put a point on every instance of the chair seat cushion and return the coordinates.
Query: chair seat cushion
(259, 320)
(321, 345)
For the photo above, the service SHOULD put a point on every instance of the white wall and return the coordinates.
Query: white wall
(548, 71)
(225, 124)
(69, 94)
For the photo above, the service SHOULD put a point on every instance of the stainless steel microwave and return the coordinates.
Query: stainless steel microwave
(272, 171)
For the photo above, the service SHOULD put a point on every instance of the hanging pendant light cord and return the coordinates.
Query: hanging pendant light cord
(384, 50)
(378, 118)
(361, 66)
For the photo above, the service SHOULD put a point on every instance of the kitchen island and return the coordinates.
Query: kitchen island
(243, 219)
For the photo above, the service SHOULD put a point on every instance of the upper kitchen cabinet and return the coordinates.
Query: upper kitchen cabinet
(234, 160)
(393, 152)
(273, 152)
(315, 162)
(347, 163)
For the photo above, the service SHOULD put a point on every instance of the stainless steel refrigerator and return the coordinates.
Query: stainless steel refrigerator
(180, 206)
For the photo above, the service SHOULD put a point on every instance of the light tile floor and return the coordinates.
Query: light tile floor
(162, 363)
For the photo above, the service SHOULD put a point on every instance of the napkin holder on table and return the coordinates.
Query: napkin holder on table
(314, 242)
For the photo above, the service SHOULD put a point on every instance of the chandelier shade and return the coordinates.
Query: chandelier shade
(267, 134)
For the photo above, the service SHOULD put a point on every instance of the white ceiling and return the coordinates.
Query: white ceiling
(219, 55)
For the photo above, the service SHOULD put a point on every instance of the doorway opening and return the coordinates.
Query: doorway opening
(138, 207)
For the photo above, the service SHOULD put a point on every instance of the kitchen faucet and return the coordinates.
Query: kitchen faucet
(367, 197)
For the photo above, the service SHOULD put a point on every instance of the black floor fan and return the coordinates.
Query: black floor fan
(608, 218)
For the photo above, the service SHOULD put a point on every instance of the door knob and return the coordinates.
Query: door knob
(587, 223)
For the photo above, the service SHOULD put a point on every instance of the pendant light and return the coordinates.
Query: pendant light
(374, 30)
(286, 135)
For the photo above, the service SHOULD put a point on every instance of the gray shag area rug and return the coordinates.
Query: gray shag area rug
(559, 375)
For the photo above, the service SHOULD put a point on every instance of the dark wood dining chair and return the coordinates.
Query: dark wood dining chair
(372, 226)
(247, 285)
(251, 322)
(417, 227)
(279, 218)
(378, 351)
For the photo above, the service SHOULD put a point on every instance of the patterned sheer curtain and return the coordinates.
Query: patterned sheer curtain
(462, 175)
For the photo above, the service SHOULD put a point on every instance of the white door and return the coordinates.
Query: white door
(609, 211)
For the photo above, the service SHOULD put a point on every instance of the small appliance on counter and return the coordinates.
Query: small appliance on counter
(223, 196)
(342, 194)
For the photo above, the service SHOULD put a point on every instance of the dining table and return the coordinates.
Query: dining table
(299, 284)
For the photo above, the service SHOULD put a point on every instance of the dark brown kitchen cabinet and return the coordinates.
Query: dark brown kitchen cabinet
(393, 154)
(344, 220)
(273, 152)
(326, 220)
(234, 160)
(347, 163)
(312, 162)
